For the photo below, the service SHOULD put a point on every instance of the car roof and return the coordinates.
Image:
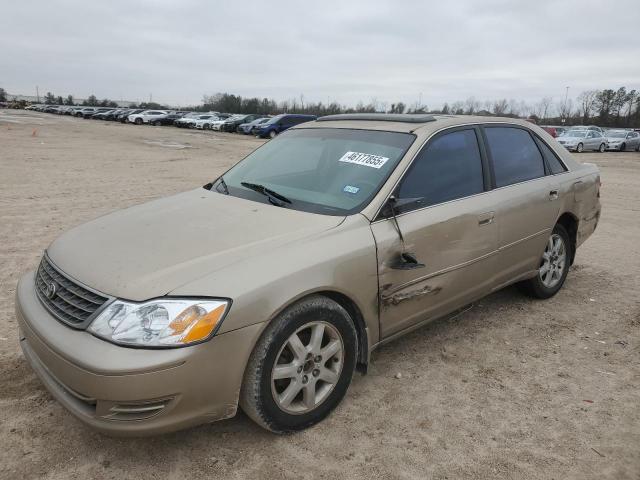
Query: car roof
(423, 124)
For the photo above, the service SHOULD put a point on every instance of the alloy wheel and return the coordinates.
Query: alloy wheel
(307, 367)
(554, 260)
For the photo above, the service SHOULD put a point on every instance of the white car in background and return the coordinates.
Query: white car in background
(203, 122)
(217, 125)
(147, 116)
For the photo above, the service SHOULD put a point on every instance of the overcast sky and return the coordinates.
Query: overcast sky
(343, 50)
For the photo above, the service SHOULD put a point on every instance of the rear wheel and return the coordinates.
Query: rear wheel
(579, 148)
(602, 148)
(156, 123)
(554, 266)
(638, 147)
(301, 367)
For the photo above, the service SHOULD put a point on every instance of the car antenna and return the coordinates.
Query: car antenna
(406, 260)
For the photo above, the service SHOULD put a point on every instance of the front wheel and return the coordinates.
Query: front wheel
(579, 148)
(272, 134)
(554, 266)
(138, 121)
(301, 367)
(623, 147)
(602, 148)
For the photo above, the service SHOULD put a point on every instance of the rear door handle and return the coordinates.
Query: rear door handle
(486, 218)
(553, 195)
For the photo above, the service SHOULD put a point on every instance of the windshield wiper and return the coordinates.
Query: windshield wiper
(274, 197)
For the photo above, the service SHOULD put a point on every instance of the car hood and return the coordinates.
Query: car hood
(149, 250)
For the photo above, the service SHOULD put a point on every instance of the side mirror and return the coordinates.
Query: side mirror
(394, 202)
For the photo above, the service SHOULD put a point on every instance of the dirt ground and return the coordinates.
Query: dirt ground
(513, 388)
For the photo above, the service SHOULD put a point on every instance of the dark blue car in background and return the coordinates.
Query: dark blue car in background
(280, 123)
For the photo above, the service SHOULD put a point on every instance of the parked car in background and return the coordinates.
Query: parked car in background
(587, 127)
(203, 122)
(550, 130)
(217, 125)
(280, 123)
(622, 140)
(188, 120)
(269, 287)
(124, 116)
(83, 110)
(579, 139)
(168, 119)
(231, 124)
(87, 115)
(250, 128)
(553, 130)
(146, 116)
(103, 115)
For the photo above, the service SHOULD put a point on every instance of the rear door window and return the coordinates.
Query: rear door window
(515, 155)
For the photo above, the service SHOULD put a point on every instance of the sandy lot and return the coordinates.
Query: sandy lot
(513, 388)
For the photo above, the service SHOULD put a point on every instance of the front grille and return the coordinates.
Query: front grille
(68, 301)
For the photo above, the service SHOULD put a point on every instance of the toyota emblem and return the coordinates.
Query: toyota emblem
(51, 291)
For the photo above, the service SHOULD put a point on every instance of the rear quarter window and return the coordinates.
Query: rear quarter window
(554, 163)
(515, 155)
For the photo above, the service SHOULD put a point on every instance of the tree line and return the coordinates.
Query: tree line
(607, 107)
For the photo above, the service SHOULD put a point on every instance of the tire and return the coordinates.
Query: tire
(580, 148)
(272, 134)
(156, 123)
(286, 404)
(623, 147)
(638, 147)
(541, 286)
(138, 121)
(602, 148)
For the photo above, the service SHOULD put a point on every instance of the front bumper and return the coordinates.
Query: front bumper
(132, 391)
(615, 147)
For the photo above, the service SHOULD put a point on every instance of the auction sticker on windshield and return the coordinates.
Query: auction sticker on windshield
(365, 159)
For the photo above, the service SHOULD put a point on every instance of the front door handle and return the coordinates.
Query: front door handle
(553, 195)
(486, 218)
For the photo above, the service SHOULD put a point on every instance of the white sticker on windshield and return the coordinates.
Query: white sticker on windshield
(366, 159)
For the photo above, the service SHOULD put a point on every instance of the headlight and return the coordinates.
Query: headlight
(160, 323)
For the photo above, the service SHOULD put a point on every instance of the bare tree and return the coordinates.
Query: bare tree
(545, 107)
(500, 106)
(587, 100)
(472, 105)
(565, 108)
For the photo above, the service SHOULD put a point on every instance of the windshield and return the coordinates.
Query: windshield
(321, 170)
(616, 134)
(574, 133)
(275, 119)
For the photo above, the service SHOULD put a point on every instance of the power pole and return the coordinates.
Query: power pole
(38, 94)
